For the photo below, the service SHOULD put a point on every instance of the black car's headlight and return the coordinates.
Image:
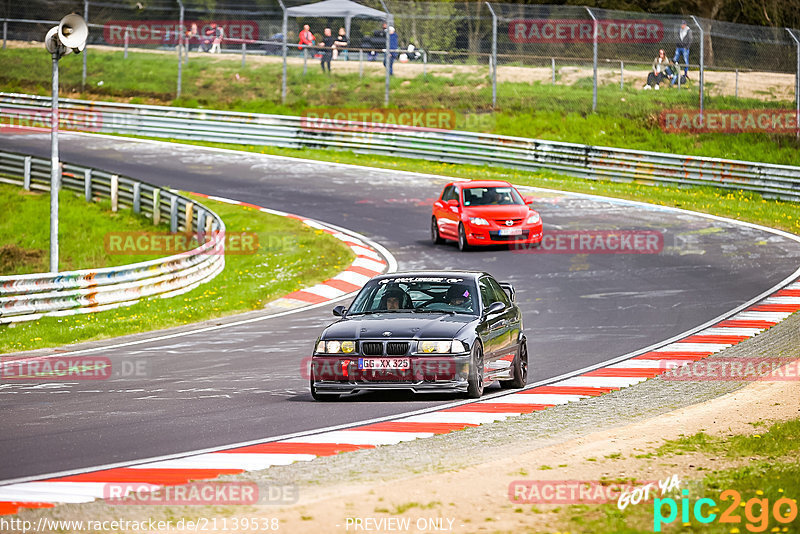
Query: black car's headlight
(440, 347)
(336, 347)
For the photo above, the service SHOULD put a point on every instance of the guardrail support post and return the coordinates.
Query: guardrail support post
(87, 184)
(137, 197)
(188, 217)
(201, 220)
(156, 207)
(26, 174)
(244, 54)
(173, 213)
(493, 59)
(594, 59)
(114, 193)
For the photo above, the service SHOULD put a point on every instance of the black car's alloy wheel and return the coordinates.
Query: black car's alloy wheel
(475, 378)
(435, 237)
(520, 369)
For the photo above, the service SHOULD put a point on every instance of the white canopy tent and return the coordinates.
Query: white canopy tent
(345, 9)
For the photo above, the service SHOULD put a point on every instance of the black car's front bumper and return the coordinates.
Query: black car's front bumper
(440, 373)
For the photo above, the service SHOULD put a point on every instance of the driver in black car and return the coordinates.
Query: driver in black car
(457, 295)
(394, 299)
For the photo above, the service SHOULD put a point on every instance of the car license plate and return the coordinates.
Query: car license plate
(510, 231)
(384, 363)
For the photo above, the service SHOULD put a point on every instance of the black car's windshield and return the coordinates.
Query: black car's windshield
(416, 294)
(491, 196)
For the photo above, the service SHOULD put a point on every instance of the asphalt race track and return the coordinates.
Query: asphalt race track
(244, 382)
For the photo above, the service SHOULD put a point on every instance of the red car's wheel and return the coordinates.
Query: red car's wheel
(462, 238)
(435, 237)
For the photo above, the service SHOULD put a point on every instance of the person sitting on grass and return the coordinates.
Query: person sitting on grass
(663, 69)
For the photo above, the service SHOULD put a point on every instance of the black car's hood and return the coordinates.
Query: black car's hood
(401, 326)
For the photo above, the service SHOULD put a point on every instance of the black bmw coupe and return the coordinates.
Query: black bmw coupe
(451, 331)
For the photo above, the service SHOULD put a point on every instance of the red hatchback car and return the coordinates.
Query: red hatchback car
(485, 212)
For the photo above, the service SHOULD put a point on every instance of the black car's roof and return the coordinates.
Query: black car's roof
(443, 274)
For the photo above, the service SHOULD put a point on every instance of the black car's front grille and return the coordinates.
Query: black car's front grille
(397, 348)
(372, 348)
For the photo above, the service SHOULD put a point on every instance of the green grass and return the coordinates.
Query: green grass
(290, 256)
(771, 471)
(739, 205)
(625, 118)
(25, 238)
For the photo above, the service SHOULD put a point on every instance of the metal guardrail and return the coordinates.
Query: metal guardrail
(450, 146)
(31, 296)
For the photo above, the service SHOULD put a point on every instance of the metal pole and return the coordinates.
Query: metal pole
(180, 51)
(5, 33)
(594, 59)
(85, 51)
(702, 68)
(424, 63)
(494, 55)
(244, 53)
(55, 174)
(796, 84)
(360, 64)
(284, 29)
(622, 75)
(305, 60)
(125, 54)
(736, 90)
(386, 57)
(553, 65)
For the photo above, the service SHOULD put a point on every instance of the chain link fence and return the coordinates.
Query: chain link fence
(470, 57)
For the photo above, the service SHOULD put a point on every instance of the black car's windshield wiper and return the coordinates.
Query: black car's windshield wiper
(449, 312)
(371, 312)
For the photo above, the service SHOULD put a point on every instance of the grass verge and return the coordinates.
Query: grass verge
(740, 205)
(290, 256)
(767, 470)
(627, 118)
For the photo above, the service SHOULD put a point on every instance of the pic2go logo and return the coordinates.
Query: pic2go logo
(756, 511)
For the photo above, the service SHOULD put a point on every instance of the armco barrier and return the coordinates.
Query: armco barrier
(31, 296)
(615, 164)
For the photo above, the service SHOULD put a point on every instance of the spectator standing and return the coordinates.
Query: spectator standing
(662, 69)
(306, 37)
(327, 52)
(192, 34)
(682, 46)
(340, 44)
(219, 34)
(393, 45)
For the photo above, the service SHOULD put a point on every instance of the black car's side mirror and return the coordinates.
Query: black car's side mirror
(340, 311)
(494, 307)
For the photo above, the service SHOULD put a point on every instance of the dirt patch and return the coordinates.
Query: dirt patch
(15, 259)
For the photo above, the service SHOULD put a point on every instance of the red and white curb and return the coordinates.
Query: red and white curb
(368, 263)
(709, 339)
